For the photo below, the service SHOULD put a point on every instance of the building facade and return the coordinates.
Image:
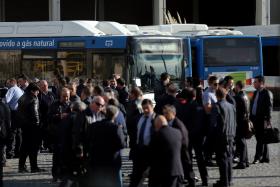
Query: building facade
(145, 12)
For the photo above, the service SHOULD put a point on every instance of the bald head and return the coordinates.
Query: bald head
(160, 122)
(43, 85)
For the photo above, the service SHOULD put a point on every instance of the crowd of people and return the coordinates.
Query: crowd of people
(86, 126)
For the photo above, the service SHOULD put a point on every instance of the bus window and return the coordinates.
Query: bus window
(38, 63)
(231, 52)
(9, 64)
(42, 69)
(71, 63)
(105, 65)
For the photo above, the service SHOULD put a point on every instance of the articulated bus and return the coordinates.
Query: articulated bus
(88, 49)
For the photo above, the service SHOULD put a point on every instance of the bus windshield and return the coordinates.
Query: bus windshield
(154, 56)
(231, 52)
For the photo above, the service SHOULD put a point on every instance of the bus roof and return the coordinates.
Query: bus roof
(186, 30)
(261, 30)
(61, 29)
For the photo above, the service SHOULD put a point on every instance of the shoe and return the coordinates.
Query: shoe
(264, 161)
(235, 160)
(239, 166)
(256, 162)
(196, 179)
(37, 170)
(23, 170)
(247, 165)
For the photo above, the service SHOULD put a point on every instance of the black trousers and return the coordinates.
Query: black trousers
(2, 152)
(188, 167)
(224, 156)
(197, 146)
(15, 141)
(57, 161)
(241, 150)
(30, 147)
(140, 166)
(262, 151)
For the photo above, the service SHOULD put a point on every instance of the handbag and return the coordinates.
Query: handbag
(249, 130)
(271, 135)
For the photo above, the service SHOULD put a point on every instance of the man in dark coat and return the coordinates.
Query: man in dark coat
(166, 166)
(58, 113)
(260, 114)
(122, 91)
(242, 115)
(106, 139)
(28, 111)
(5, 122)
(46, 99)
(167, 99)
(160, 86)
(224, 117)
(194, 118)
(134, 110)
(169, 112)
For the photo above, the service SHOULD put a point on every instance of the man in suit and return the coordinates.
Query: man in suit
(193, 117)
(169, 112)
(260, 114)
(166, 145)
(140, 153)
(106, 139)
(224, 117)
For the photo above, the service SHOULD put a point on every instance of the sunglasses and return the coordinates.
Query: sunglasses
(98, 104)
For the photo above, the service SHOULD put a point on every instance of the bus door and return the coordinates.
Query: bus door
(187, 58)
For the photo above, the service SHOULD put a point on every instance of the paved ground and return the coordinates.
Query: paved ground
(261, 175)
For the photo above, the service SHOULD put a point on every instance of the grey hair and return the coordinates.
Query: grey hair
(97, 98)
(170, 108)
(111, 112)
(78, 106)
